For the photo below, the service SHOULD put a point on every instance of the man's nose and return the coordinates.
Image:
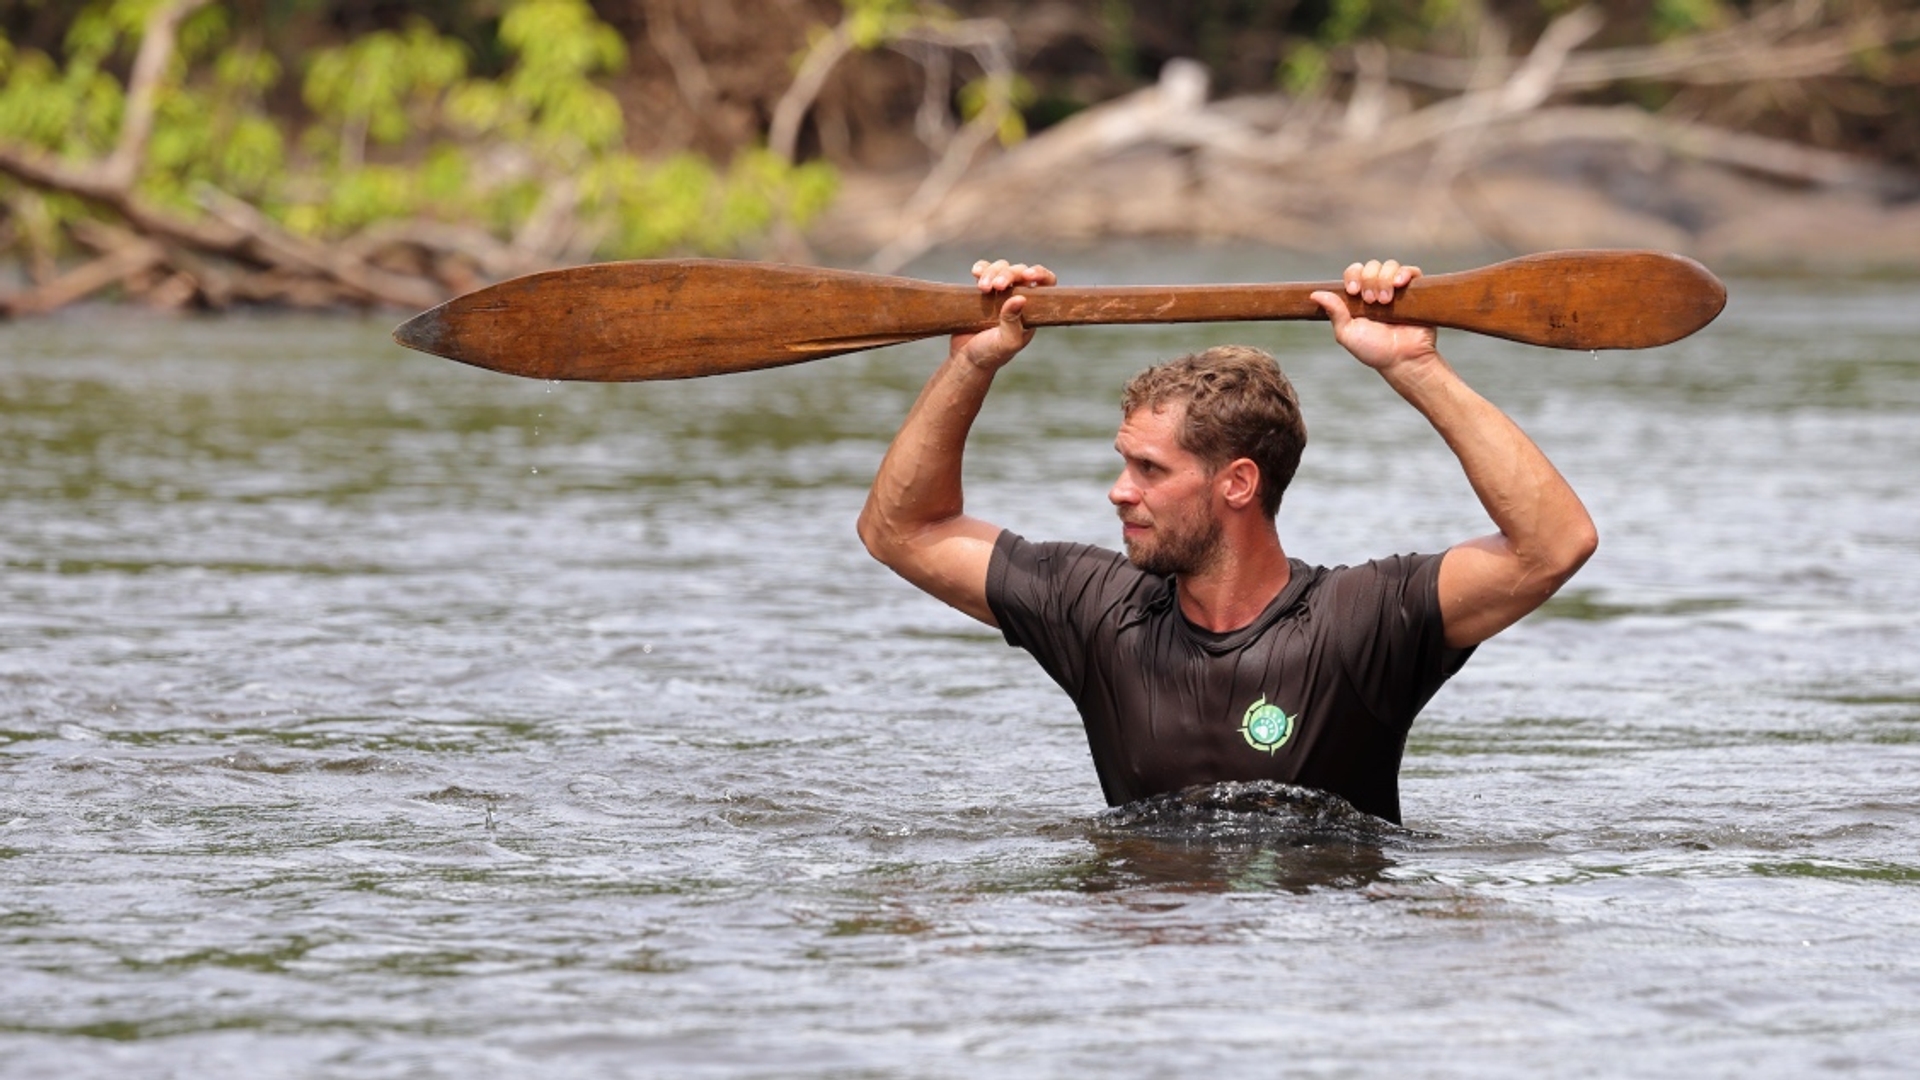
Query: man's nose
(1123, 492)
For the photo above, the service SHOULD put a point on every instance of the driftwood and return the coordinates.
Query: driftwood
(119, 263)
(296, 271)
(234, 253)
(1497, 104)
(931, 43)
(1778, 43)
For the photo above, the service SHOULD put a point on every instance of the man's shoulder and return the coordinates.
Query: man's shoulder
(1078, 577)
(1386, 568)
(1061, 554)
(1363, 594)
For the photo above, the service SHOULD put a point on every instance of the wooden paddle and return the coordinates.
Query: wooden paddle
(682, 318)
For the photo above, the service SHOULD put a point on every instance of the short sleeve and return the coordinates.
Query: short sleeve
(1394, 640)
(1052, 599)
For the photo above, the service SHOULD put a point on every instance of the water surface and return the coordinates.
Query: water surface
(365, 715)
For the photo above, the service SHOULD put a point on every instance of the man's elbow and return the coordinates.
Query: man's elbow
(872, 535)
(1589, 542)
(882, 541)
(1575, 545)
(1552, 560)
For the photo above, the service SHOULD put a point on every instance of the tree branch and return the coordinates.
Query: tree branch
(783, 134)
(689, 72)
(284, 249)
(135, 257)
(122, 167)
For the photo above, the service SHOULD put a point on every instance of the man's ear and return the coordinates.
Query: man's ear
(1239, 483)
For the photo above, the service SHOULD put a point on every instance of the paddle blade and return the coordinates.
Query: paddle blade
(1569, 299)
(682, 318)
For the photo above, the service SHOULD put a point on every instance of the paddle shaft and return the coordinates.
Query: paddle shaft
(674, 319)
(1119, 305)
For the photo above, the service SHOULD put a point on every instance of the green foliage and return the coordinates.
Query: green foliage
(549, 96)
(397, 128)
(1116, 35)
(1674, 18)
(73, 111)
(1346, 20)
(490, 149)
(379, 87)
(241, 152)
(685, 202)
(1441, 12)
(1304, 67)
(1019, 94)
(1413, 23)
(1304, 72)
(874, 22)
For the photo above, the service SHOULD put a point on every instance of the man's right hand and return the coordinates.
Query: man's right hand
(990, 349)
(915, 519)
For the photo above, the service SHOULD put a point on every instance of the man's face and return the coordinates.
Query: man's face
(1164, 495)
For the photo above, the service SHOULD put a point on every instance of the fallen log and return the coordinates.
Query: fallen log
(177, 250)
(84, 280)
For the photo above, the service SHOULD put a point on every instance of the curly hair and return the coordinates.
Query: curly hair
(1238, 405)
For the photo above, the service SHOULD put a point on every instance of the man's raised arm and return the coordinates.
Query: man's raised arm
(915, 520)
(1490, 583)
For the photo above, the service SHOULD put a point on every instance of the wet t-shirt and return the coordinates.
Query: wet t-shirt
(1319, 690)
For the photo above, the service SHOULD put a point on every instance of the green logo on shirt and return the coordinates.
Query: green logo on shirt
(1266, 727)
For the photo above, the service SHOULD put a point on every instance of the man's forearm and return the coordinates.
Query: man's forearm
(919, 482)
(914, 520)
(1487, 584)
(1534, 507)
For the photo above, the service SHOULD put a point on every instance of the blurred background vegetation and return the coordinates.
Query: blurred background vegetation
(454, 141)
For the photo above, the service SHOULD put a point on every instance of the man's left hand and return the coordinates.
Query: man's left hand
(1379, 345)
(990, 349)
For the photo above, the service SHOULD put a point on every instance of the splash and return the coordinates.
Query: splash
(1252, 810)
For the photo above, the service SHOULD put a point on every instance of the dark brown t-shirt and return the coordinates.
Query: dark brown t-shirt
(1318, 691)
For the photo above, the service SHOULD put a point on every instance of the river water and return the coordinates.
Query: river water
(366, 715)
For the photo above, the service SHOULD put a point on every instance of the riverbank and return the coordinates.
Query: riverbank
(1167, 165)
(1726, 220)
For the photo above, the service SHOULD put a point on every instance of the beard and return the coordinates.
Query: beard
(1184, 546)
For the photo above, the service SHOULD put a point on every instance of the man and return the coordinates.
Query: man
(1205, 653)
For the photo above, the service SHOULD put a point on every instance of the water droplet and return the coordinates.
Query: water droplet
(647, 648)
